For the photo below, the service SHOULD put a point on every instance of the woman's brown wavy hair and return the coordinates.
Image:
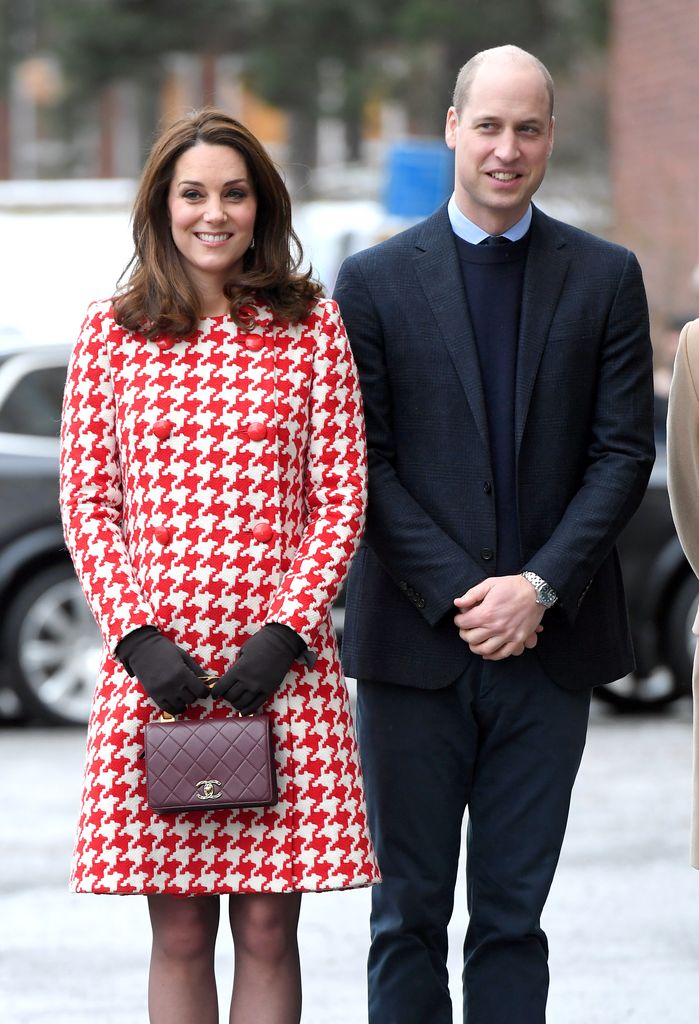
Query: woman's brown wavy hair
(158, 297)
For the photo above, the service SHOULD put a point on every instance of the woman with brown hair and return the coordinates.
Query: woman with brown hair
(213, 493)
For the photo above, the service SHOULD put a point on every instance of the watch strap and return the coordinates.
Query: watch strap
(545, 594)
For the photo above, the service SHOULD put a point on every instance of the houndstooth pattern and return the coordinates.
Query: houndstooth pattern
(207, 487)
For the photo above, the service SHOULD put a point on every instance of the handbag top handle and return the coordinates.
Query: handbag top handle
(165, 716)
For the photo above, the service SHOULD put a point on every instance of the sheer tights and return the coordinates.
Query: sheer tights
(267, 978)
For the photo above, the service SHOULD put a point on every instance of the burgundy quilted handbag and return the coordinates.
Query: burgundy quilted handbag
(208, 763)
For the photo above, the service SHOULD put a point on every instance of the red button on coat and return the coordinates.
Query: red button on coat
(164, 343)
(163, 535)
(262, 531)
(257, 431)
(162, 429)
(254, 342)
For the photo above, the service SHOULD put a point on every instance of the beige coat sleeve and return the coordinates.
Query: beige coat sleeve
(683, 444)
(683, 485)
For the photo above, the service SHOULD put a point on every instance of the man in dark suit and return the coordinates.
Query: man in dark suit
(508, 400)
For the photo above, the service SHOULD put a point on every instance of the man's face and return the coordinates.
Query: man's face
(502, 140)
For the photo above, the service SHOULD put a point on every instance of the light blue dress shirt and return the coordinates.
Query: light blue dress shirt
(470, 232)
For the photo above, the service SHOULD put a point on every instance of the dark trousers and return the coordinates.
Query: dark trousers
(506, 742)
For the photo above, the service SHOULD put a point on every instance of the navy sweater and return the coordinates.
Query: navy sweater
(493, 276)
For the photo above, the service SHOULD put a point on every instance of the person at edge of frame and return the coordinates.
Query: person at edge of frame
(505, 365)
(213, 489)
(683, 489)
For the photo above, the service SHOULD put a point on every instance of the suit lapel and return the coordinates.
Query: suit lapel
(545, 271)
(437, 268)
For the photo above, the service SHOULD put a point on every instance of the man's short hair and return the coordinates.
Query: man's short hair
(464, 79)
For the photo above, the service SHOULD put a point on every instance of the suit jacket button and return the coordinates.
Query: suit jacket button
(262, 531)
(163, 535)
(487, 554)
(257, 431)
(162, 429)
(487, 487)
(254, 342)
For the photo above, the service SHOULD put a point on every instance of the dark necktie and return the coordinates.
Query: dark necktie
(496, 240)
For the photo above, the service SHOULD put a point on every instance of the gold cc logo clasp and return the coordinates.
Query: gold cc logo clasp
(209, 789)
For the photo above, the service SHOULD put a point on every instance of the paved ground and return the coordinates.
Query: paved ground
(622, 920)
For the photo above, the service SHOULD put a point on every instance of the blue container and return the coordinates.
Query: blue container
(419, 177)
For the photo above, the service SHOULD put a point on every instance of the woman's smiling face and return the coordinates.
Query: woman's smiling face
(212, 207)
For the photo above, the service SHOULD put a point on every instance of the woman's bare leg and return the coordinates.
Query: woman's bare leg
(182, 984)
(267, 983)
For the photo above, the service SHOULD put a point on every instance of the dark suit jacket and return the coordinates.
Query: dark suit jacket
(583, 438)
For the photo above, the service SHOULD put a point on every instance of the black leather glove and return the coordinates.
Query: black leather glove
(165, 671)
(260, 668)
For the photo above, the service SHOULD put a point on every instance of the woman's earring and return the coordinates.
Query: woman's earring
(252, 243)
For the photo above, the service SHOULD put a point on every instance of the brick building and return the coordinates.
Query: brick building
(654, 146)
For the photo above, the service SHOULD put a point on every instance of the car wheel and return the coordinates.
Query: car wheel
(680, 641)
(673, 680)
(641, 693)
(53, 647)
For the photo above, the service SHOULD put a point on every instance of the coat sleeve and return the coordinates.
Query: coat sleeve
(620, 453)
(683, 443)
(90, 486)
(334, 486)
(410, 545)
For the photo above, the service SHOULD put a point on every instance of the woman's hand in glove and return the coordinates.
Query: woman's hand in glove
(260, 668)
(165, 671)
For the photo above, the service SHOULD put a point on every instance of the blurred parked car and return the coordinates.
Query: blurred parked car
(663, 596)
(49, 643)
(50, 646)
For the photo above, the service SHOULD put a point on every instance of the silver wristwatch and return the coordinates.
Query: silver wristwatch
(545, 594)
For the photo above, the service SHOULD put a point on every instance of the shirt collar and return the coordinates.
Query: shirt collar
(470, 232)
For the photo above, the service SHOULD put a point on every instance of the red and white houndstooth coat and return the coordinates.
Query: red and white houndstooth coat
(209, 486)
